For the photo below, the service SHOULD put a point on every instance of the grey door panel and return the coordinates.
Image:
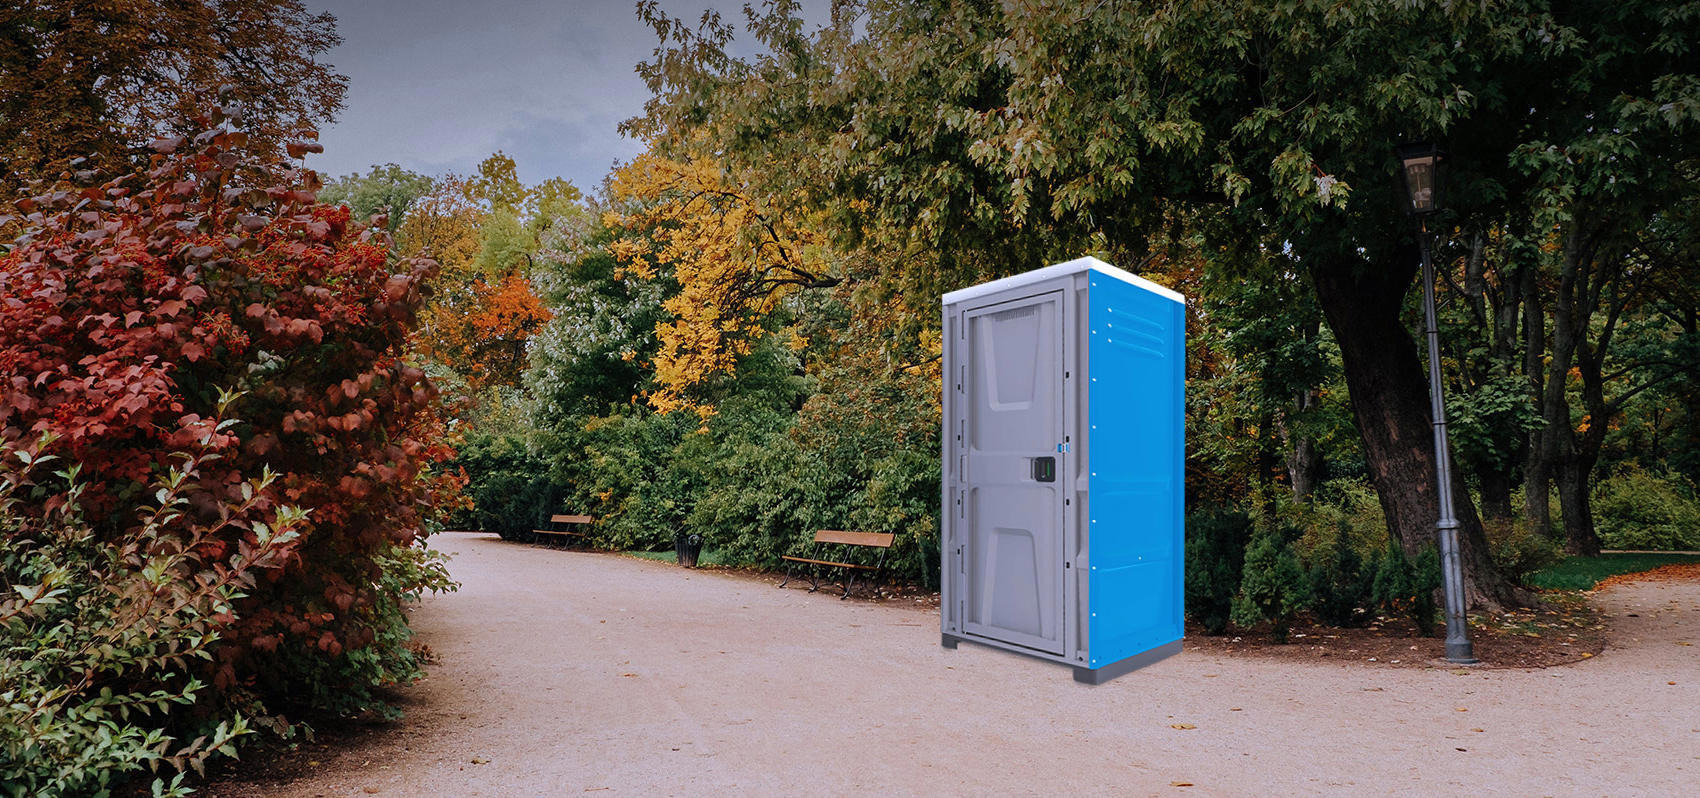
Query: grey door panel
(1013, 548)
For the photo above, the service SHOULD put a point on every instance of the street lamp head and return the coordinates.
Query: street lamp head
(1420, 168)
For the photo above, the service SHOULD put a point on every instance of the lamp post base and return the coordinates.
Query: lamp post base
(1461, 653)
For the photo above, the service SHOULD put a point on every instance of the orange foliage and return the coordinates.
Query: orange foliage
(483, 336)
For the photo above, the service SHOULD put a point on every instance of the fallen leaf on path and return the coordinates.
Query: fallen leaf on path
(1182, 726)
(1459, 672)
(478, 760)
(1478, 730)
(1180, 784)
(1462, 709)
(628, 674)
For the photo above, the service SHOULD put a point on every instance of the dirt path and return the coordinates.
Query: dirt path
(566, 673)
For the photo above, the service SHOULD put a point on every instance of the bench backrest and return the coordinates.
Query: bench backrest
(570, 519)
(878, 540)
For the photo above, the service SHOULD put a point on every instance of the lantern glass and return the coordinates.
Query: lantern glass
(1421, 164)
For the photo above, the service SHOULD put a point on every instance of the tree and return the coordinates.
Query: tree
(485, 231)
(387, 189)
(1611, 191)
(98, 77)
(733, 255)
(957, 142)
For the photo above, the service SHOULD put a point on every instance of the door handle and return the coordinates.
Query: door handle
(1044, 469)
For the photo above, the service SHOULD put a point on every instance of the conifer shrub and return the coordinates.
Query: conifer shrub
(1273, 585)
(1341, 585)
(1215, 555)
(1406, 587)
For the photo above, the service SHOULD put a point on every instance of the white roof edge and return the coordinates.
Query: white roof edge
(1060, 270)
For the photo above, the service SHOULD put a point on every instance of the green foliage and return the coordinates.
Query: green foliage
(1636, 509)
(1273, 586)
(387, 189)
(352, 682)
(630, 472)
(1489, 425)
(1403, 587)
(103, 644)
(1342, 587)
(1582, 573)
(1519, 551)
(510, 485)
(1348, 505)
(1215, 554)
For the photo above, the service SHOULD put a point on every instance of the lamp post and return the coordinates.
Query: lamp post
(1421, 171)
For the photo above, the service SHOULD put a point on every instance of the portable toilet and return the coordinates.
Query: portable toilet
(1064, 467)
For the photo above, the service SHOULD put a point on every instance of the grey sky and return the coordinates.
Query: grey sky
(437, 85)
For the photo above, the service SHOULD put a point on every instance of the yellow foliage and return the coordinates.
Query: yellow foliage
(444, 225)
(734, 253)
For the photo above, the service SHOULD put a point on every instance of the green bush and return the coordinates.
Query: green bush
(1403, 587)
(639, 473)
(103, 643)
(1342, 587)
(1344, 504)
(1517, 551)
(1273, 586)
(1215, 554)
(511, 487)
(1635, 509)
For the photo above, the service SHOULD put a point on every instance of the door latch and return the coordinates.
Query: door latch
(1044, 469)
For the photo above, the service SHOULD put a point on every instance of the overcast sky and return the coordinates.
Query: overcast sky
(438, 85)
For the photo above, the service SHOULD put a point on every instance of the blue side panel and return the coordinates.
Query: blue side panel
(1136, 490)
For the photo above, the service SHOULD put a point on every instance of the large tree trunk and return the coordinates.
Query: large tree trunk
(1579, 534)
(1496, 493)
(1389, 394)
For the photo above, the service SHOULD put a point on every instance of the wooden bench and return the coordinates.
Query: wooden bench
(850, 541)
(566, 535)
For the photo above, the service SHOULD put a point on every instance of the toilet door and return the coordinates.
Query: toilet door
(1012, 472)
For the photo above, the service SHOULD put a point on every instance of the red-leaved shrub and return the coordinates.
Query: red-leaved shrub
(127, 305)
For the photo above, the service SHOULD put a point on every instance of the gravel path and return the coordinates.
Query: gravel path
(566, 673)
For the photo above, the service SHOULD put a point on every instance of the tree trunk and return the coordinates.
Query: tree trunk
(1573, 499)
(1496, 493)
(1304, 467)
(1304, 456)
(1543, 442)
(1389, 393)
(1266, 460)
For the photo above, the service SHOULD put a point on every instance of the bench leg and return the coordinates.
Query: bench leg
(848, 583)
